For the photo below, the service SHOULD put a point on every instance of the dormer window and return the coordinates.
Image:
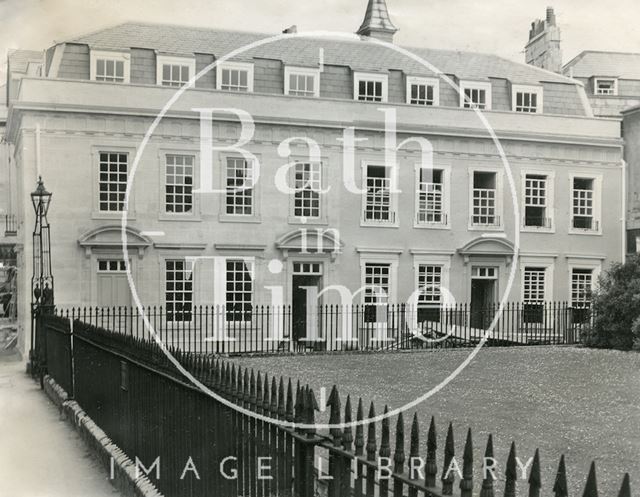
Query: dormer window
(422, 91)
(112, 67)
(475, 95)
(368, 87)
(235, 76)
(526, 99)
(605, 86)
(174, 71)
(301, 81)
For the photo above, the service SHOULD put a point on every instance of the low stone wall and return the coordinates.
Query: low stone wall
(121, 469)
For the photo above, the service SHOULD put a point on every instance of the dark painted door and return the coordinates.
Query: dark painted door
(482, 300)
(299, 302)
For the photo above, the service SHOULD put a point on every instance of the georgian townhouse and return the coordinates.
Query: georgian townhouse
(451, 226)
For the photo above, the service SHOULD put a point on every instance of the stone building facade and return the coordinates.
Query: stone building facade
(82, 125)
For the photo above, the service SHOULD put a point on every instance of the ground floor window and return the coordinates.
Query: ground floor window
(533, 294)
(239, 290)
(377, 280)
(429, 298)
(179, 289)
(581, 284)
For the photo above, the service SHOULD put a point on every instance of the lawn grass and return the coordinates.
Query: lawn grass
(580, 402)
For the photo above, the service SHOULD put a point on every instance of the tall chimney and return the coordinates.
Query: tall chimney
(543, 48)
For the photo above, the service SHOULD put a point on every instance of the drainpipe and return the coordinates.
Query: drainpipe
(623, 219)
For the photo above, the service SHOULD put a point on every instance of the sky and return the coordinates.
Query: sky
(493, 26)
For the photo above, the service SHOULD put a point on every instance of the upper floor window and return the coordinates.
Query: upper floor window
(526, 99)
(476, 95)
(239, 199)
(308, 185)
(301, 81)
(422, 91)
(605, 86)
(431, 207)
(179, 184)
(485, 199)
(235, 76)
(174, 71)
(112, 181)
(378, 201)
(585, 203)
(370, 87)
(538, 211)
(111, 67)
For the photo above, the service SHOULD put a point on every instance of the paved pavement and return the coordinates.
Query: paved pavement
(41, 455)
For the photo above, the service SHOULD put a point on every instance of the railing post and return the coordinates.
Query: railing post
(449, 453)
(431, 468)
(466, 484)
(488, 476)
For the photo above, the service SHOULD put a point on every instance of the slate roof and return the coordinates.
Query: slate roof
(19, 59)
(594, 63)
(360, 55)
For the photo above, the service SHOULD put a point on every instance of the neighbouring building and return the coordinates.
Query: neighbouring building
(82, 121)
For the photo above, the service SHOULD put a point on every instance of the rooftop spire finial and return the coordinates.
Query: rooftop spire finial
(377, 22)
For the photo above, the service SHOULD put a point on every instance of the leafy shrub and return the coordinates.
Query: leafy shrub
(616, 305)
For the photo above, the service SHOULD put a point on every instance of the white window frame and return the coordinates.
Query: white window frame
(251, 264)
(237, 218)
(301, 71)
(597, 203)
(194, 214)
(583, 263)
(446, 201)
(537, 90)
(392, 174)
(125, 57)
(499, 200)
(417, 80)
(238, 66)
(444, 261)
(538, 262)
(162, 60)
(375, 77)
(550, 203)
(380, 258)
(476, 85)
(321, 218)
(615, 87)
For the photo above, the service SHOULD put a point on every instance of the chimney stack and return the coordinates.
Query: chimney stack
(290, 30)
(543, 48)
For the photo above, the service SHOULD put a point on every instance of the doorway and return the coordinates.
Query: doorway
(113, 286)
(306, 282)
(483, 292)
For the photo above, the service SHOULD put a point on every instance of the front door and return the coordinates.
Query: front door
(113, 286)
(483, 290)
(306, 278)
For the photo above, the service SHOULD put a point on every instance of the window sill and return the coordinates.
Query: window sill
(576, 231)
(131, 216)
(485, 227)
(308, 222)
(373, 224)
(432, 226)
(230, 218)
(179, 217)
(537, 229)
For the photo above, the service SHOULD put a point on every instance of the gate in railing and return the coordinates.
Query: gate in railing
(268, 329)
(255, 435)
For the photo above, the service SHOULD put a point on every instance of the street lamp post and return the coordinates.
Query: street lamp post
(42, 300)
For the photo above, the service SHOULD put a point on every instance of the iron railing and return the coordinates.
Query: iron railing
(256, 435)
(280, 329)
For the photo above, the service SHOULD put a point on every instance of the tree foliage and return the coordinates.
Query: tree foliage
(616, 306)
